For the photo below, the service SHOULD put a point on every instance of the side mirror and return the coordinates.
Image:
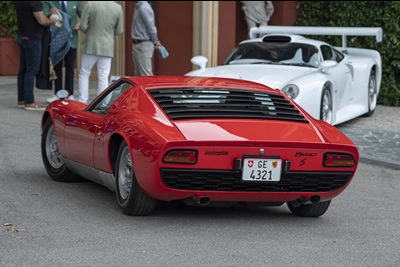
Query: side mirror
(325, 65)
(62, 94)
(200, 61)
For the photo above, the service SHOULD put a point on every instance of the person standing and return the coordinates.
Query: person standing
(74, 10)
(101, 21)
(31, 22)
(144, 37)
(257, 13)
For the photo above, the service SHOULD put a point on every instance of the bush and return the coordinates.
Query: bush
(8, 20)
(382, 14)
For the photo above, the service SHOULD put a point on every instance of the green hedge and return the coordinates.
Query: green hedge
(8, 20)
(384, 14)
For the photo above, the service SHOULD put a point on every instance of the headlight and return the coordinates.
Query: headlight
(291, 90)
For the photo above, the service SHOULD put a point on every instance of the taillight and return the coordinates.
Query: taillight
(181, 156)
(338, 160)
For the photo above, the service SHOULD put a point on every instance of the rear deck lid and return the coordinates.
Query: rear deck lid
(213, 114)
(247, 130)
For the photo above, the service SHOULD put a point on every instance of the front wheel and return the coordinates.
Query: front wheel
(51, 157)
(326, 105)
(310, 210)
(130, 197)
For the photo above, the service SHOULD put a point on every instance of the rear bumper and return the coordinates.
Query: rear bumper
(218, 176)
(227, 185)
(226, 180)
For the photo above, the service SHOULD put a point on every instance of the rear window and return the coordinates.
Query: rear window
(279, 53)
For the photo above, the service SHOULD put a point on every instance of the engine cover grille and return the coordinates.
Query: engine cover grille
(225, 180)
(221, 103)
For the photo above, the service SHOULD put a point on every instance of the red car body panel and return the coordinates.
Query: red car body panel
(85, 137)
(250, 130)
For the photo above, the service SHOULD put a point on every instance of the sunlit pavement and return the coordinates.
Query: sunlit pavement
(376, 146)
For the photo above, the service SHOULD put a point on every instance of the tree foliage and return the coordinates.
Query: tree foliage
(384, 14)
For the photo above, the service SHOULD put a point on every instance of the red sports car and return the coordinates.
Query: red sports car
(199, 140)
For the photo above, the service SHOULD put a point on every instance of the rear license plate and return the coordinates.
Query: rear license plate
(261, 170)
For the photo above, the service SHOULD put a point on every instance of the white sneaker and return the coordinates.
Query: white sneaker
(53, 98)
(80, 99)
(71, 97)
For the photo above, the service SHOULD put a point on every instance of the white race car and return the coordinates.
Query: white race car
(334, 84)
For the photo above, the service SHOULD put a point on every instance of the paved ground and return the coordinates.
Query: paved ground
(377, 137)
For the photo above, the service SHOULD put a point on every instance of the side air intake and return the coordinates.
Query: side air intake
(277, 39)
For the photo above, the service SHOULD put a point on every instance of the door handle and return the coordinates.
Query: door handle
(98, 136)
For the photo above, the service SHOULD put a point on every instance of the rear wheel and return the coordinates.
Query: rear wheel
(326, 105)
(130, 197)
(310, 210)
(51, 157)
(372, 93)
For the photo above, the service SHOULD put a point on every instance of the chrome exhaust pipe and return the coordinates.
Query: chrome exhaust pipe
(203, 201)
(315, 199)
(303, 201)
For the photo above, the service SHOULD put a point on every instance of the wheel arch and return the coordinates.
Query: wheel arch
(115, 143)
(367, 59)
(310, 87)
(45, 116)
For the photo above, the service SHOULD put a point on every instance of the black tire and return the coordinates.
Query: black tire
(51, 157)
(130, 197)
(326, 110)
(372, 94)
(311, 210)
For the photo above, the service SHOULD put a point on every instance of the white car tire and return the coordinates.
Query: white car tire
(326, 111)
(372, 93)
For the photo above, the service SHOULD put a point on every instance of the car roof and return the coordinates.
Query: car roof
(152, 82)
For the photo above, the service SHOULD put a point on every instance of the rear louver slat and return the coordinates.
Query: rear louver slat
(214, 103)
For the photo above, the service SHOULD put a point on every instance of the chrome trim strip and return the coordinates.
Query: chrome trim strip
(95, 175)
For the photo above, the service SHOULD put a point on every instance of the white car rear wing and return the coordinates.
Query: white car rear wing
(311, 30)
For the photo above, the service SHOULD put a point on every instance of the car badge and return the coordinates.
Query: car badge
(274, 164)
(261, 151)
(251, 163)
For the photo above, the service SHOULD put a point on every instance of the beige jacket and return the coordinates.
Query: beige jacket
(101, 21)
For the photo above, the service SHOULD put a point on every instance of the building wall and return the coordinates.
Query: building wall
(285, 13)
(175, 29)
(175, 26)
(179, 29)
(227, 28)
(233, 27)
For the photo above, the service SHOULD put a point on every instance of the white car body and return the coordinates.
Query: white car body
(352, 91)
